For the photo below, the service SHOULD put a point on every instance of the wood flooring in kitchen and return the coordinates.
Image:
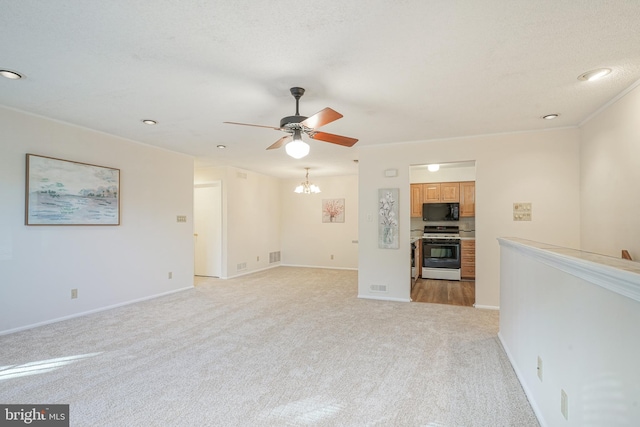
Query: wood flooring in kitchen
(444, 292)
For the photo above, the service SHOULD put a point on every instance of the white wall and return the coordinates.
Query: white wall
(537, 167)
(586, 336)
(610, 176)
(109, 265)
(420, 174)
(251, 211)
(306, 240)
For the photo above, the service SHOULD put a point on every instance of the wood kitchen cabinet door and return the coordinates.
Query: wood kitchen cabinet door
(431, 193)
(467, 199)
(468, 259)
(450, 192)
(416, 200)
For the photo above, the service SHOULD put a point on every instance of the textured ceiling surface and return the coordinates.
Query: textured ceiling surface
(398, 71)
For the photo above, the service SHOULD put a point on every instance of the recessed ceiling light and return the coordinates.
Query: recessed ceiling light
(433, 168)
(149, 122)
(551, 116)
(10, 74)
(594, 74)
(220, 146)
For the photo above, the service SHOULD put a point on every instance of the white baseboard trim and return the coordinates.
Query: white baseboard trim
(487, 307)
(527, 391)
(320, 266)
(285, 265)
(244, 273)
(380, 298)
(96, 310)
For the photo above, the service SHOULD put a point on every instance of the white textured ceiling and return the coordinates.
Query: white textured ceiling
(400, 70)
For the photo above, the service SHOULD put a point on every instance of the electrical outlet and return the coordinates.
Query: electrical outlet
(540, 368)
(331, 256)
(74, 293)
(258, 258)
(564, 404)
(170, 275)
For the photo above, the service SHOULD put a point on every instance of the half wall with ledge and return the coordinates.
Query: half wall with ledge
(570, 325)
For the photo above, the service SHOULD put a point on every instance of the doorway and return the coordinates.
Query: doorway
(207, 220)
(443, 229)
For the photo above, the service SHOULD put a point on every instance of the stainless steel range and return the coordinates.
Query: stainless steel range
(441, 252)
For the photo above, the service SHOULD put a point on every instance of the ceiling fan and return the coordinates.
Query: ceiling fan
(296, 125)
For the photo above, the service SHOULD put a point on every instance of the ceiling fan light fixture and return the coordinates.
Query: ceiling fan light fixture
(433, 167)
(297, 148)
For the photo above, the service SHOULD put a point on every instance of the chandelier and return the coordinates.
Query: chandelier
(306, 187)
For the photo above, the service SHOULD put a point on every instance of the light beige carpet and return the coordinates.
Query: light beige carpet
(284, 347)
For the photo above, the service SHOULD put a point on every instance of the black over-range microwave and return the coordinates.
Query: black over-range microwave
(441, 211)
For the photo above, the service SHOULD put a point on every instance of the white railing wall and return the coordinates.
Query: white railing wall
(579, 313)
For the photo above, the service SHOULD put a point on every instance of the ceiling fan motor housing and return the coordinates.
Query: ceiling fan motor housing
(291, 120)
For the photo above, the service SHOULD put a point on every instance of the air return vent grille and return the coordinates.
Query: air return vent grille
(378, 288)
(274, 257)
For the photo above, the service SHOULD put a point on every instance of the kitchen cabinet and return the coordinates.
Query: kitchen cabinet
(468, 259)
(444, 192)
(450, 192)
(467, 199)
(441, 192)
(416, 267)
(430, 193)
(416, 200)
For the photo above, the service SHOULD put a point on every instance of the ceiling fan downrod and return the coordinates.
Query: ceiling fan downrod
(292, 121)
(297, 92)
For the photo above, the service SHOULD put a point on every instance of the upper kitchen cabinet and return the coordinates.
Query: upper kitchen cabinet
(430, 193)
(416, 200)
(443, 192)
(450, 192)
(467, 199)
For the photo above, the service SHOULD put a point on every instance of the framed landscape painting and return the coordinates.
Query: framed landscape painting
(63, 192)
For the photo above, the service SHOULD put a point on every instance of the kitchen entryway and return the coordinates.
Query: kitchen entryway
(452, 292)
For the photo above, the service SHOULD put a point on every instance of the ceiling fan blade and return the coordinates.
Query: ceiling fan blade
(279, 143)
(247, 124)
(321, 118)
(334, 139)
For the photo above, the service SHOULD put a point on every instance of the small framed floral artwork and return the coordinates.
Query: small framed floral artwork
(332, 210)
(388, 218)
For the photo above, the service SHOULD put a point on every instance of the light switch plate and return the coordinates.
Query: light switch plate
(522, 211)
